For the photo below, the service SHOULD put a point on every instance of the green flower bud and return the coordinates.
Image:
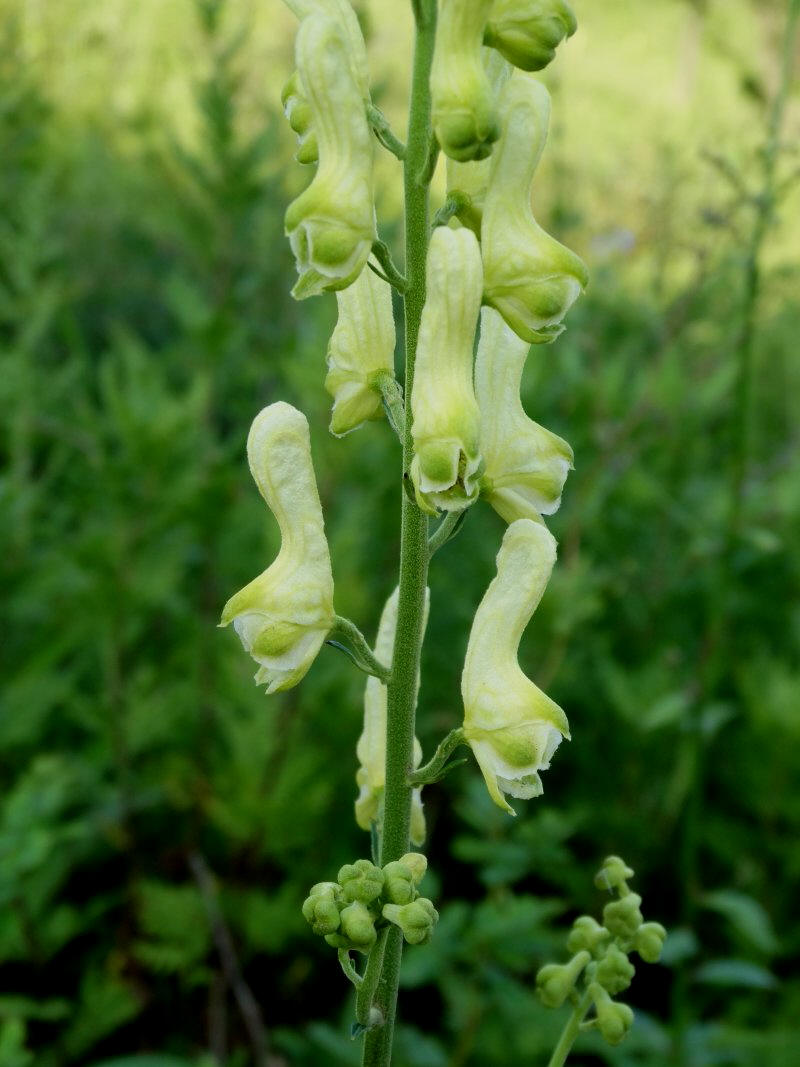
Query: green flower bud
(463, 112)
(614, 874)
(331, 225)
(357, 932)
(360, 348)
(613, 1020)
(526, 465)
(649, 941)
(399, 886)
(446, 427)
(511, 725)
(283, 616)
(321, 907)
(417, 864)
(527, 32)
(298, 113)
(586, 933)
(529, 277)
(623, 917)
(615, 971)
(416, 919)
(371, 747)
(555, 982)
(361, 881)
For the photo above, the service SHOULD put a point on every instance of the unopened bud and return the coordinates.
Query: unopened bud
(614, 971)
(357, 931)
(613, 1020)
(417, 864)
(416, 919)
(586, 933)
(361, 881)
(614, 874)
(399, 883)
(321, 908)
(555, 981)
(527, 32)
(623, 917)
(649, 941)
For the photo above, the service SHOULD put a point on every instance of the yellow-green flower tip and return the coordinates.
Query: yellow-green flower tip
(512, 727)
(527, 32)
(284, 615)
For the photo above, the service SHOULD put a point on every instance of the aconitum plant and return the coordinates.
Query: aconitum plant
(481, 265)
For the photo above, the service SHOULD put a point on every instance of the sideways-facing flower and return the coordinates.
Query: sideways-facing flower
(526, 465)
(529, 277)
(331, 225)
(284, 615)
(527, 32)
(463, 113)
(360, 348)
(371, 747)
(511, 725)
(446, 424)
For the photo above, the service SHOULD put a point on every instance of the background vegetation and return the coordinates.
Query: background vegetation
(160, 819)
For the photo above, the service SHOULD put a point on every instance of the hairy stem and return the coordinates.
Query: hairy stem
(571, 1030)
(401, 691)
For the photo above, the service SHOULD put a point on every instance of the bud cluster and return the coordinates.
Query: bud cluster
(600, 956)
(351, 911)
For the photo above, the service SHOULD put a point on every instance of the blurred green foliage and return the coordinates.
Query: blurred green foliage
(144, 320)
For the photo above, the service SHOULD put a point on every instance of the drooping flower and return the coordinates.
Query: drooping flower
(331, 224)
(527, 32)
(526, 465)
(360, 348)
(529, 277)
(462, 108)
(283, 616)
(512, 727)
(446, 423)
(371, 747)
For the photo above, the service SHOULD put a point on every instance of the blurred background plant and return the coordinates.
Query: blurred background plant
(159, 823)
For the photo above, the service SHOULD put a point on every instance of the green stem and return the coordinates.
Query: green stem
(437, 766)
(401, 690)
(347, 966)
(367, 988)
(383, 132)
(570, 1032)
(390, 272)
(359, 651)
(392, 397)
(446, 530)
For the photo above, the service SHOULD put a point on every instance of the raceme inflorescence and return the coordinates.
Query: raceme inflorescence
(481, 269)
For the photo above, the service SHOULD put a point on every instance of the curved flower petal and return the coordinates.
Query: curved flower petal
(283, 616)
(512, 726)
(527, 32)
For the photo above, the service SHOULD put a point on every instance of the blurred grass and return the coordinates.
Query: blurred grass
(144, 319)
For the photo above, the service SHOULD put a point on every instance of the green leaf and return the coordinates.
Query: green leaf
(747, 916)
(732, 972)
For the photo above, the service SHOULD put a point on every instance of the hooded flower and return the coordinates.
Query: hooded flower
(529, 277)
(371, 747)
(464, 118)
(361, 346)
(511, 725)
(527, 32)
(526, 465)
(341, 11)
(446, 429)
(284, 615)
(331, 225)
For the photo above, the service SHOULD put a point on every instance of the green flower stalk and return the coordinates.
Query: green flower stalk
(331, 225)
(446, 427)
(529, 277)
(283, 616)
(371, 747)
(527, 32)
(463, 112)
(512, 727)
(361, 348)
(525, 464)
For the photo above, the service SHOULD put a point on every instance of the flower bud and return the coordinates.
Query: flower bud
(371, 747)
(464, 118)
(283, 616)
(399, 886)
(586, 933)
(321, 907)
(416, 920)
(417, 864)
(527, 32)
(511, 725)
(555, 982)
(614, 971)
(613, 1020)
(526, 465)
(529, 277)
(298, 113)
(649, 941)
(614, 874)
(623, 917)
(360, 348)
(331, 225)
(357, 931)
(446, 424)
(361, 881)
